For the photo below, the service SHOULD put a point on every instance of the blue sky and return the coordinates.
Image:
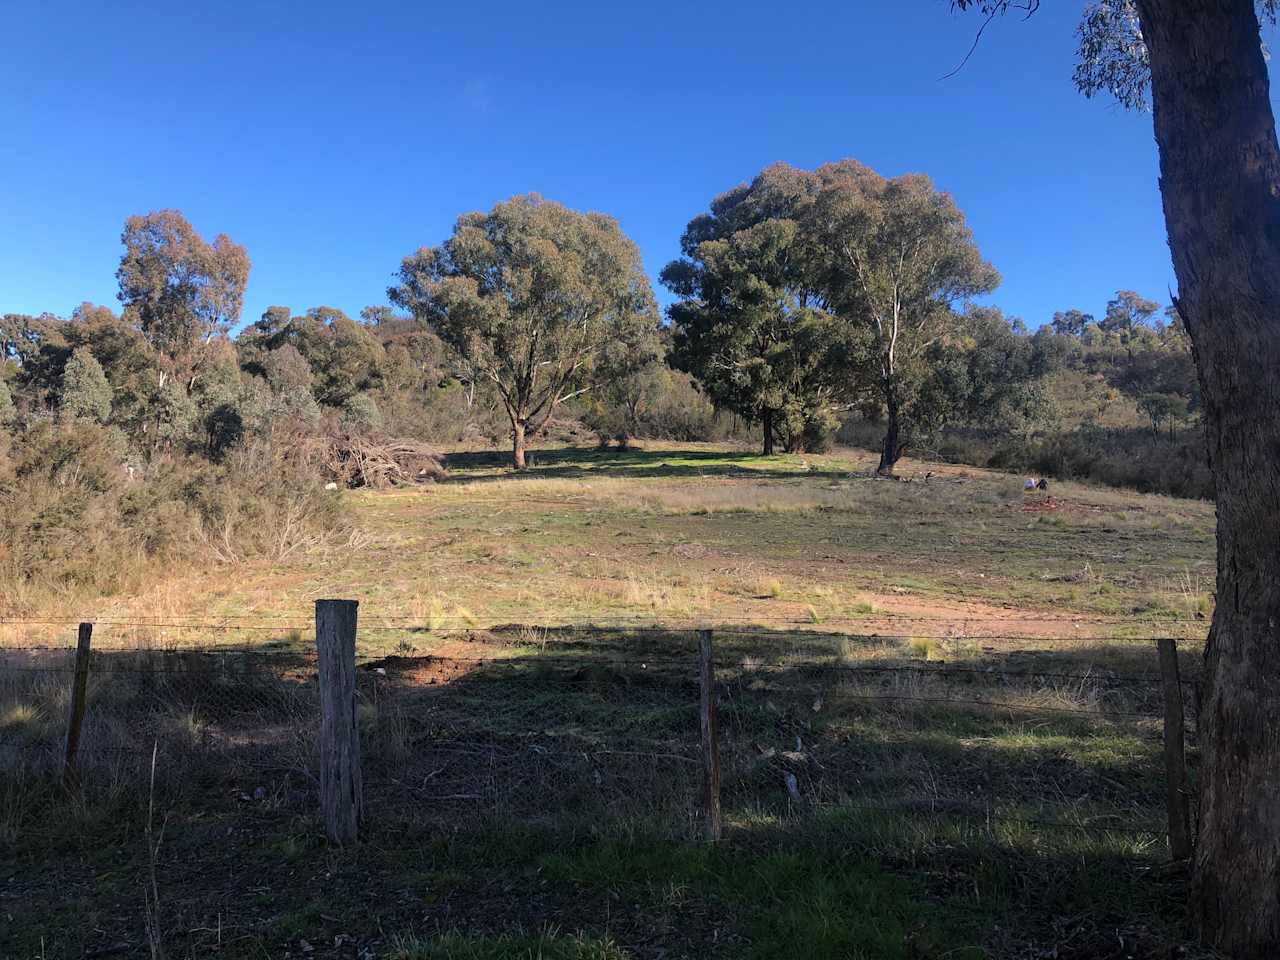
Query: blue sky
(332, 139)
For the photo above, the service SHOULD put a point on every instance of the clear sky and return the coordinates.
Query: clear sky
(334, 138)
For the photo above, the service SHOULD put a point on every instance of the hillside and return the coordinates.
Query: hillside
(706, 534)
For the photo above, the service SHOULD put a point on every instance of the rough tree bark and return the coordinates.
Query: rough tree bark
(1220, 182)
(767, 419)
(517, 443)
(891, 449)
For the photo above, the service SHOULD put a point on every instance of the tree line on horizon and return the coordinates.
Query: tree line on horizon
(812, 305)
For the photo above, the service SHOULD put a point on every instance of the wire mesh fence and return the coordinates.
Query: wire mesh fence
(602, 724)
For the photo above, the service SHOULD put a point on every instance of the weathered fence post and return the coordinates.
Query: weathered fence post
(710, 740)
(1175, 762)
(70, 776)
(340, 786)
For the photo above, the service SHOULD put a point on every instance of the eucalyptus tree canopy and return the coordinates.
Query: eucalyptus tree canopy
(179, 290)
(753, 324)
(541, 301)
(1071, 323)
(900, 258)
(1201, 66)
(1127, 313)
(343, 357)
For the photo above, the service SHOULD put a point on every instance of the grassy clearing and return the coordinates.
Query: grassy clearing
(709, 535)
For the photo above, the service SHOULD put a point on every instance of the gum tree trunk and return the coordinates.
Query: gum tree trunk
(891, 449)
(1220, 182)
(767, 419)
(517, 443)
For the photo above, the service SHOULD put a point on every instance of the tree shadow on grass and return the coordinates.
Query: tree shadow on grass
(571, 463)
(577, 764)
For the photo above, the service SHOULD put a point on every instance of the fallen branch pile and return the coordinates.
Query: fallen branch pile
(371, 460)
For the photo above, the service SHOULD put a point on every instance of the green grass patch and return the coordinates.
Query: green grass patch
(547, 945)
(800, 903)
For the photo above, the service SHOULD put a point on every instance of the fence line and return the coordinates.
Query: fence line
(728, 680)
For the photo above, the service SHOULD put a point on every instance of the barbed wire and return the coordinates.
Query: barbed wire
(101, 658)
(261, 659)
(273, 621)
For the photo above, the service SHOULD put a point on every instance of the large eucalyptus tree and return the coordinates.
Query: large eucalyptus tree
(1201, 66)
(542, 301)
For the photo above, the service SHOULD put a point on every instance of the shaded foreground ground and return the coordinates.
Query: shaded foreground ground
(883, 798)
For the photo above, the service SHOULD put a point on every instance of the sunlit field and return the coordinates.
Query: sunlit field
(701, 535)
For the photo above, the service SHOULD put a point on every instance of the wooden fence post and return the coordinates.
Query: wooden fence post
(70, 775)
(341, 794)
(710, 740)
(1175, 762)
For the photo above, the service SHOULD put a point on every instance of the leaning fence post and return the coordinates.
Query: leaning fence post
(710, 742)
(340, 787)
(76, 718)
(1175, 763)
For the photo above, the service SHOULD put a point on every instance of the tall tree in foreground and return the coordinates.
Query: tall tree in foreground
(753, 325)
(543, 302)
(1204, 66)
(901, 259)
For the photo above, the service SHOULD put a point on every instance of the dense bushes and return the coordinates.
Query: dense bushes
(74, 518)
(1119, 457)
(655, 402)
(1129, 457)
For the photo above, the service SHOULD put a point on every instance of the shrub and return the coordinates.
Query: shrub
(74, 521)
(7, 411)
(86, 395)
(265, 501)
(360, 413)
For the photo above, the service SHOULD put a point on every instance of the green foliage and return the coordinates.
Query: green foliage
(1112, 55)
(655, 402)
(901, 257)
(754, 324)
(540, 301)
(180, 291)
(323, 350)
(61, 522)
(287, 370)
(547, 945)
(1163, 408)
(1127, 313)
(798, 903)
(86, 394)
(8, 413)
(360, 413)
(75, 519)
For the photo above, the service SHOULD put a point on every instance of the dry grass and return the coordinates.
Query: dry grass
(706, 534)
